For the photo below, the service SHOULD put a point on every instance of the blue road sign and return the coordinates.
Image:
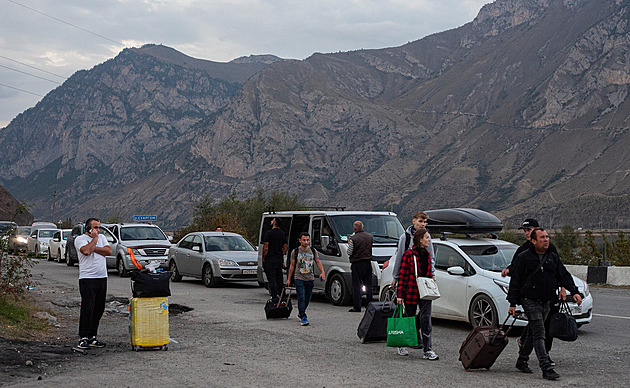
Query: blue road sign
(145, 218)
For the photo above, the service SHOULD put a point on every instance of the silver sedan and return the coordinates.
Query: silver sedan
(213, 257)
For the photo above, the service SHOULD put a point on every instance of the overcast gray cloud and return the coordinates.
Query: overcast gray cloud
(218, 30)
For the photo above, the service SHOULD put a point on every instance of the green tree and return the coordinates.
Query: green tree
(621, 249)
(588, 253)
(15, 270)
(512, 235)
(566, 241)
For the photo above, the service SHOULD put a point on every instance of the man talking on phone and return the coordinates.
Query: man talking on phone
(92, 248)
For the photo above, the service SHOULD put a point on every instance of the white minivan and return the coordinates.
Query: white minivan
(330, 231)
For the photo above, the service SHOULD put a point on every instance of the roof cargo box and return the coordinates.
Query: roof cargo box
(461, 220)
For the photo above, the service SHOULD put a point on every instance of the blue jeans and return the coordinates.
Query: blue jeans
(304, 289)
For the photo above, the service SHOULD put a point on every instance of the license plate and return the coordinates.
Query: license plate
(576, 310)
(249, 272)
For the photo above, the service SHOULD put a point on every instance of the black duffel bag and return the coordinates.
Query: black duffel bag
(563, 325)
(145, 284)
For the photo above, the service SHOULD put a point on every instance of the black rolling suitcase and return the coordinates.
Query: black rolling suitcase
(483, 345)
(280, 308)
(373, 326)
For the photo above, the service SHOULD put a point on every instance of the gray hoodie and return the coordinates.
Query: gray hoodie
(402, 249)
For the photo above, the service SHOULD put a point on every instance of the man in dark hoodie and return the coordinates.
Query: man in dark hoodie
(536, 275)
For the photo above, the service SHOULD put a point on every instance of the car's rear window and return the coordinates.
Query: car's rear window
(490, 257)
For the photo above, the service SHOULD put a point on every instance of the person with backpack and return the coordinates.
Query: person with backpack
(405, 243)
(302, 259)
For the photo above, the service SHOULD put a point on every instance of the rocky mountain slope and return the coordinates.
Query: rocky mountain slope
(521, 112)
(9, 209)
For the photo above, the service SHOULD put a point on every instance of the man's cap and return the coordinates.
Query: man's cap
(529, 223)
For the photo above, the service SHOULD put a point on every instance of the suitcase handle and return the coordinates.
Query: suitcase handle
(503, 325)
(284, 292)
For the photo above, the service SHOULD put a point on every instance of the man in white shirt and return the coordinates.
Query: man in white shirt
(92, 248)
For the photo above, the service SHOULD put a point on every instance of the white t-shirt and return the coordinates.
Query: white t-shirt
(93, 266)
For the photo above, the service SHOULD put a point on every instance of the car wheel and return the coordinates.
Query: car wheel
(482, 312)
(261, 284)
(69, 261)
(175, 276)
(388, 294)
(120, 267)
(338, 291)
(59, 257)
(206, 276)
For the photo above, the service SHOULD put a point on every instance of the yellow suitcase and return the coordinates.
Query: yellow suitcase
(148, 323)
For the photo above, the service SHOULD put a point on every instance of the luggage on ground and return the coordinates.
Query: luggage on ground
(279, 308)
(148, 323)
(145, 284)
(401, 330)
(563, 325)
(373, 326)
(483, 345)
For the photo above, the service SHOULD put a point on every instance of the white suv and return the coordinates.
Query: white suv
(147, 242)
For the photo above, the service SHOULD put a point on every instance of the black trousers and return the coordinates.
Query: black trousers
(275, 279)
(554, 307)
(361, 276)
(93, 293)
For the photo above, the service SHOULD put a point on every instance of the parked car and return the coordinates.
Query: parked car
(38, 240)
(19, 238)
(213, 257)
(147, 242)
(57, 245)
(468, 274)
(329, 232)
(71, 256)
(6, 228)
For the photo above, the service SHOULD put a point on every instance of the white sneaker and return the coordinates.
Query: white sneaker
(403, 352)
(430, 355)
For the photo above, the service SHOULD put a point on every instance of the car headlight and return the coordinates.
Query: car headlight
(136, 252)
(227, 263)
(586, 290)
(166, 252)
(21, 240)
(502, 285)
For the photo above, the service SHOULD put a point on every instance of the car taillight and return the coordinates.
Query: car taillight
(385, 264)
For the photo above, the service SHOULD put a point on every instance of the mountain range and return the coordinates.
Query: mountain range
(522, 112)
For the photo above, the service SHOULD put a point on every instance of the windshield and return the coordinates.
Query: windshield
(5, 226)
(384, 228)
(24, 230)
(227, 243)
(491, 257)
(46, 233)
(141, 233)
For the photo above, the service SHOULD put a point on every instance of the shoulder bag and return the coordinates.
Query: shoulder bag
(427, 287)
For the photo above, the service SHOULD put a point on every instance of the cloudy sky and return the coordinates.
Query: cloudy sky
(51, 39)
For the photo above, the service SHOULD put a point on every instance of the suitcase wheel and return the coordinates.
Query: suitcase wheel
(362, 339)
(165, 347)
(135, 348)
(467, 370)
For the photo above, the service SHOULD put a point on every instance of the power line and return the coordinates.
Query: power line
(32, 67)
(32, 75)
(21, 90)
(65, 22)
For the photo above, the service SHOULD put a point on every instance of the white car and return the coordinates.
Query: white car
(38, 240)
(468, 274)
(57, 245)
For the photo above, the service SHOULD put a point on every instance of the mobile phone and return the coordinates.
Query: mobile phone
(88, 229)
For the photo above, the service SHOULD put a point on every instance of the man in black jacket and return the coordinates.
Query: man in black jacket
(533, 283)
(360, 254)
(528, 226)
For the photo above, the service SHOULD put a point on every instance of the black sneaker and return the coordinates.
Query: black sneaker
(523, 367)
(550, 374)
(552, 362)
(83, 344)
(94, 343)
(353, 310)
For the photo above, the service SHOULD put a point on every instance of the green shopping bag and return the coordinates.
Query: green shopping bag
(401, 331)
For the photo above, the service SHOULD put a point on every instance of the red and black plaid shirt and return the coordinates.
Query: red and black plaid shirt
(407, 286)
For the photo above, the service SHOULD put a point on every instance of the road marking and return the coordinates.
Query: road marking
(610, 316)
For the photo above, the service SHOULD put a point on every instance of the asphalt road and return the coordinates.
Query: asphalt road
(226, 341)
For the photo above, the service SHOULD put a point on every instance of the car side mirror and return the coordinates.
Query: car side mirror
(457, 270)
(325, 241)
(110, 239)
(196, 248)
(56, 239)
(170, 238)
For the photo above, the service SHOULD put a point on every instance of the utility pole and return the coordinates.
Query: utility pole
(54, 199)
